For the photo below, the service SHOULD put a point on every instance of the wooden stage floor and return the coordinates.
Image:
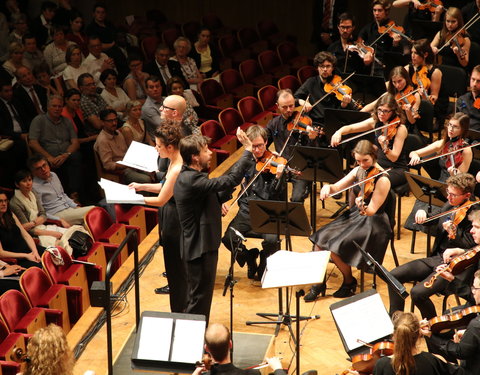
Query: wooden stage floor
(321, 347)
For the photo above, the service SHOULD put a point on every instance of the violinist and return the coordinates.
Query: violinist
(278, 132)
(424, 10)
(265, 187)
(424, 74)
(469, 103)
(408, 358)
(325, 13)
(349, 55)
(315, 87)
(465, 344)
(400, 86)
(454, 232)
(457, 53)
(366, 222)
(390, 146)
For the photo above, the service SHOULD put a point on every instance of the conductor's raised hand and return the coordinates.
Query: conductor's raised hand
(244, 140)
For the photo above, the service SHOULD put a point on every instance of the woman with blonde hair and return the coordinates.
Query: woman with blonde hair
(134, 127)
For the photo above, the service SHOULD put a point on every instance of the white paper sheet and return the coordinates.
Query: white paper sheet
(141, 156)
(156, 336)
(118, 193)
(188, 341)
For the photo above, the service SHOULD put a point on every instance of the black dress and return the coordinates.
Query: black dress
(12, 240)
(425, 364)
(370, 232)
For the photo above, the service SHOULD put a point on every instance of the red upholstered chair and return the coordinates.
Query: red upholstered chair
(267, 98)
(270, 63)
(214, 95)
(288, 53)
(305, 72)
(19, 316)
(233, 83)
(9, 368)
(288, 82)
(170, 35)
(41, 292)
(230, 47)
(252, 111)
(205, 111)
(146, 218)
(231, 120)
(249, 38)
(11, 345)
(220, 140)
(68, 273)
(252, 73)
(97, 256)
(149, 45)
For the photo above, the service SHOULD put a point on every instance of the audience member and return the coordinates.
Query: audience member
(44, 78)
(190, 117)
(76, 34)
(52, 136)
(113, 95)
(91, 103)
(41, 26)
(15, 58)
(32, 55)
(20, 28)
(164, 68)
(73, 58)
(9, 270)
(97, 61)
(29, 98)
(151, 107)
(64, 13)
(190, 71)
(111, 147)
(173, 108)
(48, 188)
(134, 127)
(205, 54)
(134, 84)
(54, 53)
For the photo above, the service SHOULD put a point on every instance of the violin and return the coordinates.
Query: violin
(430, 5)
(362, 49)
(391, 28)
(302, 123)
(455, 320)
(458, 41)
(389, 133)
(335, 87)
(407, 97)
(206, 362)
(366, 188)
(457, 265)
(421, 80)
(364, 363)
(269, 163)
(454, 159)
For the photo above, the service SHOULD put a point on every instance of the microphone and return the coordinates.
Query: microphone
(239, 235)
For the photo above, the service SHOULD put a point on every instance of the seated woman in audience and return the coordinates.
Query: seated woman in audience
(134, 83)
(204, 54)
(15, 242)
(55, 52)
(73, 58)
(190, 117)
(20, 28)
(366, 222)
(115, 97)
(389, 140)
(15, 58)
(458, 51)
(76, 34)
(134, 128)
(190, 71)
(30, 212)
(44, 78)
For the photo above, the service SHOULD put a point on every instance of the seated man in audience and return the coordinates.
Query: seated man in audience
(173, 108)
(218, 344)
(151, 108)
(47, 186)
(91, 103)
(111, 147)
(29, 98)
(42, 25)
(32, 57)
(53, 136)
(97, 61)
(455, 234)
(465, 103)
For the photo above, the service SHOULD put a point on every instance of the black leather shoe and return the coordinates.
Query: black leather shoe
(346, 290)
(163, 290)
(315, 291)
(252, 256)
(261, 266)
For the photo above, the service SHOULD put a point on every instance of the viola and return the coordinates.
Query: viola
(391, 29)
(389, 133)
(455, 320)
(336, 87)
(457, 265)
(421, 80)
(430, 5)
(269, 163)
(407, 97)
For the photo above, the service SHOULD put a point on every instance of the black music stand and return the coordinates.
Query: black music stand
(424, 29)
(430, 191)
(277, 217)
(317, 164)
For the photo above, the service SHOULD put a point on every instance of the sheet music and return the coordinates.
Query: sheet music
(118, 193)
(156, 335)
(365, 319)
(141, 156)
(188, 341)
(287, 268)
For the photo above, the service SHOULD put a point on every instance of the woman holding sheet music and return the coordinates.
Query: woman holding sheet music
(167, 137)
(366, 222)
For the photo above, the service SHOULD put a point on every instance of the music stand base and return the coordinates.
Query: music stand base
(282, 319)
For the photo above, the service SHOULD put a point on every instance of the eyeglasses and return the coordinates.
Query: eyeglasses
(452, 126)
(384, 111)
(345, 27)
(162, 107)
(454, 195)
(3, 200)
(112, 120)
(325, 66)
(258, 146)
(472, 287)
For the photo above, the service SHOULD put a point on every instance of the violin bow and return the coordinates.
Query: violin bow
(360, 182)
(333, 89)
(453, 210)
(294, 126)
(368, 132)
(448, 153)
(410, 93)
(382, 34)
(464, 27)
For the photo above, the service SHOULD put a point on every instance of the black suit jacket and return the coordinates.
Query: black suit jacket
(41, 32)
(24, 104)
(339, 7)
(175, 71)
(199, 207)
(6, 121)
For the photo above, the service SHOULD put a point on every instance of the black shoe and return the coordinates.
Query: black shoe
(314, 292)
(346, 290)
(163, 290)
(261, 266)
(252, 256)
(242, 256)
